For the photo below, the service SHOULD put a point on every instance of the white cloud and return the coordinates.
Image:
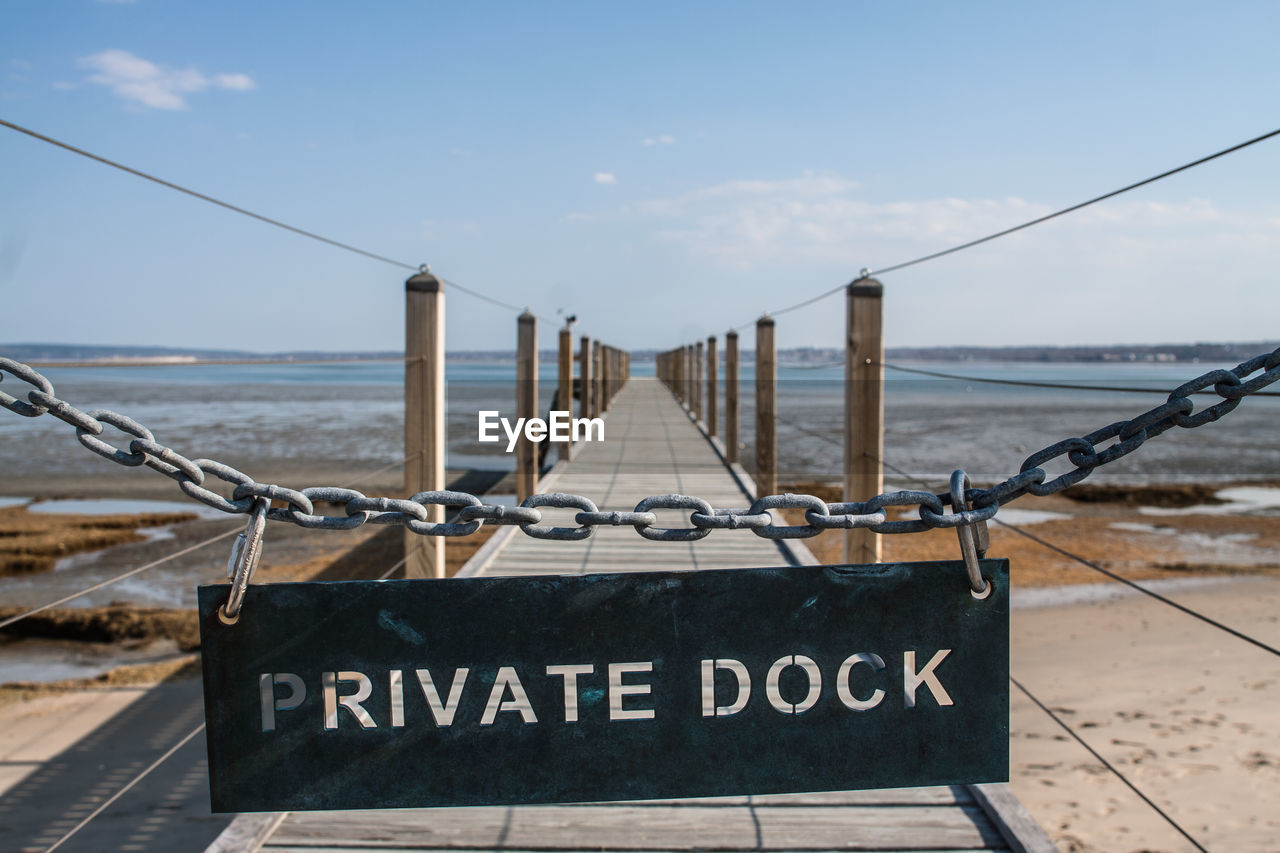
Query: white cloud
(135, 79)
(234, 82)
(605, 178)
(664, 139)
(789, 191)
(821, 218)
(20, 64)
(63, 85)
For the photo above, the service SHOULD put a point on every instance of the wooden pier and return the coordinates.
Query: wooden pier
(653, 447)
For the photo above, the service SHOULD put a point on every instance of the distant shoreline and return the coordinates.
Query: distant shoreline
(179, 361)
(71, 355)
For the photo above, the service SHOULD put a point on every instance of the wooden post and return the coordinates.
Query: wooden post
(766, 408)
(597, 385)
(690, 380)
(606, 377)
(678, 356)
(698, 409)
(564, 401)
(424, 436)
(713, 370)
(731, 396)
(526, 403)
(864, 410)
(584, 377)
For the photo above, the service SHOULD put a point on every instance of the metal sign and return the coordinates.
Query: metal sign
(391, 694)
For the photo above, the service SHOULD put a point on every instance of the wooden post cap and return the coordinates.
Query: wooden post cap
(865, 287)
(424, 282)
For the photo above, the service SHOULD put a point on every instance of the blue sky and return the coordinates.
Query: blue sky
(662, 170)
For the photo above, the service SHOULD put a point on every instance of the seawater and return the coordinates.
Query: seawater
(251, 415)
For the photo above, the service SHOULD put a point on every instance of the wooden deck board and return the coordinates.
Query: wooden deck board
(653, 448)
(651, 827)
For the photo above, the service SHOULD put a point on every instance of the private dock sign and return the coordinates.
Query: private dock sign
(561, 688)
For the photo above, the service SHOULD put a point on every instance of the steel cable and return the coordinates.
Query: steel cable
(1078, 206)
(868, 273)
(1024, 383)
(132, 782)
(1108, 765)
(18, 618)
(258, 216)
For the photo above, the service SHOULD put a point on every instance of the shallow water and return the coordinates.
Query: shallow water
(114, 506)
(1090, 593)
(1024, 517)
(254, 416)
(351, 415)
(54, 660)
(1240, 500)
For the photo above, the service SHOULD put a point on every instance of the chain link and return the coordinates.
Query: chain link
(1085, 454)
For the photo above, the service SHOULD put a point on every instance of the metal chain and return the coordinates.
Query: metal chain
(1084, 454)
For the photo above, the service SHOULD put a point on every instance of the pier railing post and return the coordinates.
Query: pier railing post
(564, 399)
(690, 377)
(526, 403)
(606, 377)
(424, 436)
(677, 374)
(864, 410)
(713, 370)
(731, 396)
(766, 408)
(698, 409)
(597, 384)
(584, 377)
(682, 374)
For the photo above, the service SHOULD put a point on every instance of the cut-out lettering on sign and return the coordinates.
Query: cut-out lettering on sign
(394, 694)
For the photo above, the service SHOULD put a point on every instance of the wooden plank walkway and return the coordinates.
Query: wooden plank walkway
(653, 447)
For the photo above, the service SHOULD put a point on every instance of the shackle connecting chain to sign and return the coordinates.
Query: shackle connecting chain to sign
(970, 507)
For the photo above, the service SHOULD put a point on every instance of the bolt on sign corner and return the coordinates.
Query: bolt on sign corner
(484, 691)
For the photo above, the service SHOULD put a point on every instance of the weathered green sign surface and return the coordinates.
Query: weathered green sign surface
(605, 687)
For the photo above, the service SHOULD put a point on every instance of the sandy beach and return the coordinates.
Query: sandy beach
(1184, 710)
